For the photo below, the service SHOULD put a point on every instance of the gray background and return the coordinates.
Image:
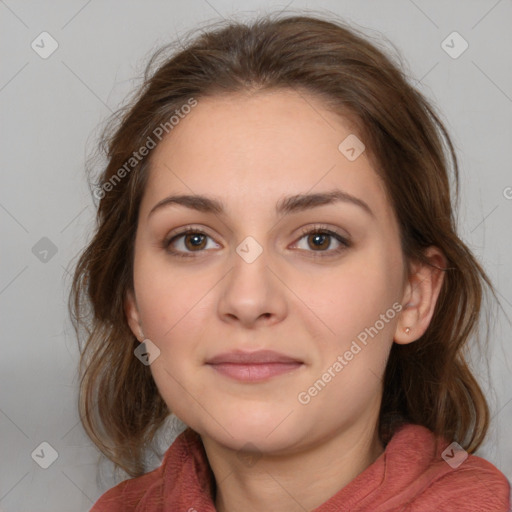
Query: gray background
(51, 109)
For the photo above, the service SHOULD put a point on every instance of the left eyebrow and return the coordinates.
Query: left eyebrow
(285, 206)
(301, 202)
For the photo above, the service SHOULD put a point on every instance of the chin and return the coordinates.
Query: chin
(268, 430)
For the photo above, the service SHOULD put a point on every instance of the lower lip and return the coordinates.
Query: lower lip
(254, 372)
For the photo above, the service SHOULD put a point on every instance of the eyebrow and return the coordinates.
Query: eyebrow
(285, 206)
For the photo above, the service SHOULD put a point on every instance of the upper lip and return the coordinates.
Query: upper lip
(258, 357)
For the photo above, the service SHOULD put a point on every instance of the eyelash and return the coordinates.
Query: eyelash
(316, 230)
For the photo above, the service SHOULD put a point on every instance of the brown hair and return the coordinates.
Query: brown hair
(427, 382)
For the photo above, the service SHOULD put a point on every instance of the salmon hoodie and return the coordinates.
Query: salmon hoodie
(407, 477)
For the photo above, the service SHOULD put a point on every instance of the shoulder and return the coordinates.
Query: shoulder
(448, 479)
(126, 496)
(476, 485)
(146, 492)
(453, 480)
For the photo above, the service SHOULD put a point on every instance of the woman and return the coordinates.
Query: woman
(276, 262)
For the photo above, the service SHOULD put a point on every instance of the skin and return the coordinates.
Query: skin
(250, 151)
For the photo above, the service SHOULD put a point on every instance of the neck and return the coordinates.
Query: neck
(297, 481)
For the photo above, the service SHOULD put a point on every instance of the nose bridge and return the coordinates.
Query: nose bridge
(249, 278)
(251, 290)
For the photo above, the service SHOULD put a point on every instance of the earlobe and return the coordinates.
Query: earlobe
(420, 296)
(132, 315)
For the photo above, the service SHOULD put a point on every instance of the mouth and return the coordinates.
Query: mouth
(253, 366)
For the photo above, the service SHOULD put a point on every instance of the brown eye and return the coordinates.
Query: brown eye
(319, 241)
(188, 242)
(322, 241)
(195, 241)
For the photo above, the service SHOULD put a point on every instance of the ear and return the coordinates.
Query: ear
(132, 315)
(420, 296)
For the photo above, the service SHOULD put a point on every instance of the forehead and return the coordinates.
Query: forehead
(264, 145)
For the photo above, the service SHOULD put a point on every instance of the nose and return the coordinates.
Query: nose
(252, 294)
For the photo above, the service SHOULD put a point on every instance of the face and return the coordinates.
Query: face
(275, 313)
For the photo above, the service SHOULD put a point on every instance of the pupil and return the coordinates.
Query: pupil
(319, 240)
(196, 240)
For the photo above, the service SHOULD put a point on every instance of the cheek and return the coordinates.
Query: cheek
(176, 309)
(172, 307)
(169, 298)
(356, 303)
(352, 297)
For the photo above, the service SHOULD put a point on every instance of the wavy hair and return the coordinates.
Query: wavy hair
(427, 382)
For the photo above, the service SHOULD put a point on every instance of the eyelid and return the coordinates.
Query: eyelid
(307, 230)
(181, 232)
(344, 240)
(184, 230)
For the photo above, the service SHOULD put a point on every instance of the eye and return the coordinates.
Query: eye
(321, 240)
(188, 241)
(312, 240)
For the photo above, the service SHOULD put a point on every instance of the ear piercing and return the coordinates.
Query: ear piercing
(407, 330)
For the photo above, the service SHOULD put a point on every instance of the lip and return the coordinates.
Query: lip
(253, 366)
(258, 357)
